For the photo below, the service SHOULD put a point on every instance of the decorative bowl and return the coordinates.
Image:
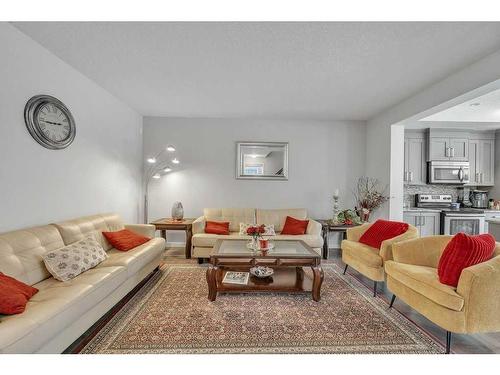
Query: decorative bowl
(261, 271)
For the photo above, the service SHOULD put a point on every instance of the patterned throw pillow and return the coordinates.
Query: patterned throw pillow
(72, 260)
(268, 227)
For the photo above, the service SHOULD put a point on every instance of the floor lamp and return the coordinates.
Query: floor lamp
(157, 166)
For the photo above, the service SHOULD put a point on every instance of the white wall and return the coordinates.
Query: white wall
(378, 138)
(100, 172)
(323, 156)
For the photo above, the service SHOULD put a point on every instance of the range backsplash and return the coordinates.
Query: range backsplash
(411, 190)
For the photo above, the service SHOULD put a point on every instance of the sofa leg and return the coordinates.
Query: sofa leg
(374, 289)
(345, 269)
(392, 300)
(448, 342)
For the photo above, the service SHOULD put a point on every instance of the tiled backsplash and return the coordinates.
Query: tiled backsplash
(410, 191)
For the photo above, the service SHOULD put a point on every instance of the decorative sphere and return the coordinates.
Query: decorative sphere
(177, 211)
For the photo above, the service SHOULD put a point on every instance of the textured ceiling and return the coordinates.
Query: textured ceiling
(485, 108)
(265, 70)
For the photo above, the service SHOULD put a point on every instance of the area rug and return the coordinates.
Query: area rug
(171, 314)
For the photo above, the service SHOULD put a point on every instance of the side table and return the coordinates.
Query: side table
(327, 228)
(170, 224)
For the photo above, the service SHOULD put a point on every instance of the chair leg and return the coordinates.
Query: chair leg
(392, 300)
(345, 269)
(374, 289)
(448, 342)
(200, 260)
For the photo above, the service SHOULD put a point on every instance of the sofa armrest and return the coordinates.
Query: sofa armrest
(386, 246)
(479, 285)
(424, 251)
(314, 227)
(199, 225)
(147, 230)
(355, 233)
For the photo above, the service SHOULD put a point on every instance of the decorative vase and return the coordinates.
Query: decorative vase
(177, 211)
(364, 215)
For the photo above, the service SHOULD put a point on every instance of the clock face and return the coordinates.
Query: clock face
(49, 122)
(53, 122)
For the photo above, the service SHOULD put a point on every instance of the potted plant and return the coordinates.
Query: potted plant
(369, 196)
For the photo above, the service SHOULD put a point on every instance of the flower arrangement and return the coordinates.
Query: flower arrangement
(256, 231)
(346, 217)
(369, 196)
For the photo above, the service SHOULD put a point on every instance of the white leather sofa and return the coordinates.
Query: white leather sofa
(62, 311)
(203, 243)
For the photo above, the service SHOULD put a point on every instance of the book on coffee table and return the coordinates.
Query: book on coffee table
(240, 278)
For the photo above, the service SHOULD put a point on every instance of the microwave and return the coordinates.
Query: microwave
(448, 172)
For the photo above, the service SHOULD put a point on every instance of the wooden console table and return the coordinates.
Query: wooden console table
(327, 228)
(169, 224)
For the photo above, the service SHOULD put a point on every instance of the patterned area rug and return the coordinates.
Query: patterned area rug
(171, 314)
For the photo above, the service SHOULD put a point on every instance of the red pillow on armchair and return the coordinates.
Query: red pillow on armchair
(382, 230)
(461, 252)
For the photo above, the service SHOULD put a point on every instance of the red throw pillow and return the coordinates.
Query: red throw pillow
(461, 252)
(382, 230)
(294, 226)
(125, 239)
(14, 295)
(217, 227)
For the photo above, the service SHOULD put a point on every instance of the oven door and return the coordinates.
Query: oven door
(448, 172)
(472, 225)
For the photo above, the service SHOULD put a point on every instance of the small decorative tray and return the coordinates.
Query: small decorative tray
(261, 271)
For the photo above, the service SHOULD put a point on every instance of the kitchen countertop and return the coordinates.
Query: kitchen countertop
(421, 209)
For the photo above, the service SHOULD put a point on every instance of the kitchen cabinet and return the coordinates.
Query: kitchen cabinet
(427, 223)
(447, 145)
(414, 161)
(482, 162)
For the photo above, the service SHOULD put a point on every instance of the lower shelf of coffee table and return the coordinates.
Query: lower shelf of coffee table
(285, 279)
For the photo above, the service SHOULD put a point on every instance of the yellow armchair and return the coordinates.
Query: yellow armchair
(472, 307)
(367, 260)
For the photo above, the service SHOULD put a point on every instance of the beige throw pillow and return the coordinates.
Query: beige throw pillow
(268, 227)
(72, 260)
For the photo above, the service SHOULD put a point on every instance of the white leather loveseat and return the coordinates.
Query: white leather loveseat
(203, 243)
(61, 311)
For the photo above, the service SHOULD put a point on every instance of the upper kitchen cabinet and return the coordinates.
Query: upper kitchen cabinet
(447, 145)
(415, 163)
(482, 158)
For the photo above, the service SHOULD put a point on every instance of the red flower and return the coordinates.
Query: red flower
(256, 231)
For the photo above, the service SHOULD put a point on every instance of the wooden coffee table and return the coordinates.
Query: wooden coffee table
(287, 260)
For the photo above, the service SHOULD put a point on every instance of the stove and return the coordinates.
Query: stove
(454, 219)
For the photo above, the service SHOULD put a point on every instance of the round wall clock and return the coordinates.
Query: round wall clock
(49, 122)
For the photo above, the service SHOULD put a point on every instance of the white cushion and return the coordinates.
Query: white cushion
(234, 216)
(277, 217)
(22, 251)
(76, 229)
(136, 258)
(57, 305)
(70, 261)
